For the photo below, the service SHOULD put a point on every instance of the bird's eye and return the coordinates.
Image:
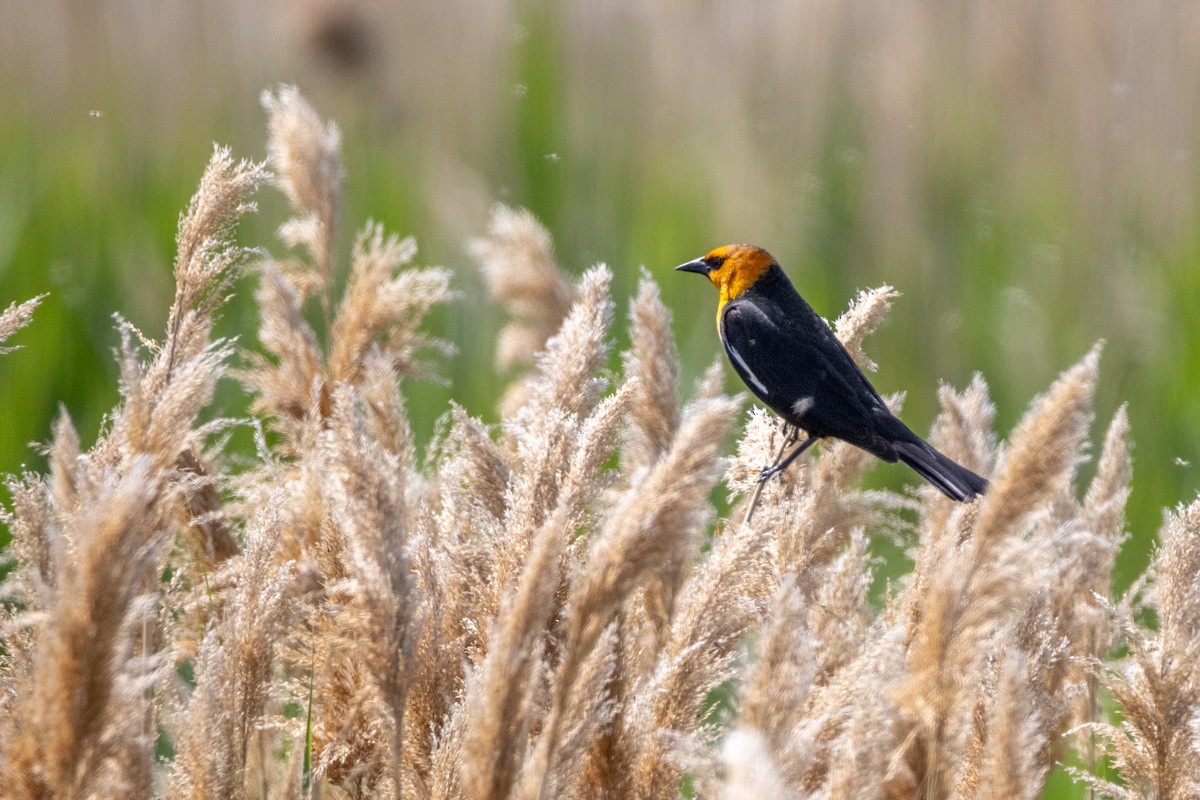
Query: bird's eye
(714, 263)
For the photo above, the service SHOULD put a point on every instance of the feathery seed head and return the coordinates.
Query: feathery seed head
(15, 317)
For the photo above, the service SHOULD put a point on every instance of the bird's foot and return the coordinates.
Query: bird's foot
(768, 473)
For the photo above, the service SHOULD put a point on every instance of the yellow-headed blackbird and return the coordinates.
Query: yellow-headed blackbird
(790, 358)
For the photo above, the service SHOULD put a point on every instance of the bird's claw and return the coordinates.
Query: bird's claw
(768, 473)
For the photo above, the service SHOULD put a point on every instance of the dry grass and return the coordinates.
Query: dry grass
(552, 608)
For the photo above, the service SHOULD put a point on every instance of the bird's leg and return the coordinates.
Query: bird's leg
(790, 434)
(780, 466)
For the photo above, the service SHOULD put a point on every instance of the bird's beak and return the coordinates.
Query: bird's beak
(698, 266)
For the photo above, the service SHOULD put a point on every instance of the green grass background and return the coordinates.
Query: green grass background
(1025, 175)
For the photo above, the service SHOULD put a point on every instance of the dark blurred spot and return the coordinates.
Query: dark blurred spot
(341, 36)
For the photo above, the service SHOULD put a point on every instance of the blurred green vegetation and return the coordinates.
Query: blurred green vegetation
(1026, 177)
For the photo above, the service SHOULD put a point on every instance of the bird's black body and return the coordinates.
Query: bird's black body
(792, 361)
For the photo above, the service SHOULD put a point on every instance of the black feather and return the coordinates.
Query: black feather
(951, 478)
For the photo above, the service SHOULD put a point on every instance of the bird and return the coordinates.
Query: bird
(788, 356)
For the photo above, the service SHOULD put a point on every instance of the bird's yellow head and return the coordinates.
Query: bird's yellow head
(732, 269)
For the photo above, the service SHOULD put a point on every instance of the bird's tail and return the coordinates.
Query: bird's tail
(951, 479)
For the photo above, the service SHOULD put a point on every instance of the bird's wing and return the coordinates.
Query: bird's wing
(796, 365)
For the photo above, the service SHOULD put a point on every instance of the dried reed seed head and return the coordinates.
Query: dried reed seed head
(385, 407)
(851, 733)
(963, 429)
(838, 614)
(1083, 584)
(557, 768)
(208, 529)
(653, 523)
(517, 344)
(307, 159)
(866, 313)
(206, 264)
(37, 546)
(517, 261)
(1043, 452)
(568, 367)
(653, 360)
(65, 468)
(716, 604)
(502, 697)
(750, 771)
(594, 443)
(498, 693)
(284, 388)
(539, 464)
(472, 469)
(837, 506)
(233, 669)
(726, 593)
(177, 407)
(840, 468)
(370, 300)
(206, 253)
(118, 546)
(15, 317)
(968, 600)
(566, 378)
(784, 668)
(1015, 757)
(383, 302)
(365, 495)
(711, 383)
(1104, 503)
(1177, 591)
